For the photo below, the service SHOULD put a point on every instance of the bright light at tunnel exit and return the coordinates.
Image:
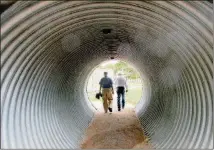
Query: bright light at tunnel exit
(113, 67)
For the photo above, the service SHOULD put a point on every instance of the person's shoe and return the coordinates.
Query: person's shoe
(110, 109)
(118, 109)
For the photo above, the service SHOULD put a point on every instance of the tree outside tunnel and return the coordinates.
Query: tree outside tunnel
(113, 67)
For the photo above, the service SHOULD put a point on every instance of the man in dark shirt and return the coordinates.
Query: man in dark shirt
(106, 85)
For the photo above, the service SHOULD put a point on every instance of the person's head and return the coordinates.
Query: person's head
(119, 74)
(105, 74)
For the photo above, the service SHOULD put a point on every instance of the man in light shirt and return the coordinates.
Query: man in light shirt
(122, 86)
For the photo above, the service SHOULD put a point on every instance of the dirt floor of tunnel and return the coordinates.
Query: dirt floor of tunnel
(115, 130)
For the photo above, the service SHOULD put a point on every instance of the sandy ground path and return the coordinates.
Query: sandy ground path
(116, 130)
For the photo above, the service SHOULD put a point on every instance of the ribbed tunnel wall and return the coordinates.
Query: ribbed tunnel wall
(49, 48)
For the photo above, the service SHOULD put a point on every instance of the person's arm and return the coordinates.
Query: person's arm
(115, 82)
(126, 85)
(112, 87)
(100, 86)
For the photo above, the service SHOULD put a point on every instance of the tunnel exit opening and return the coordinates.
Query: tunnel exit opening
(115, 67)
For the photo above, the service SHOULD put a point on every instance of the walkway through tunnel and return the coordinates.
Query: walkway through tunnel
(48, 48)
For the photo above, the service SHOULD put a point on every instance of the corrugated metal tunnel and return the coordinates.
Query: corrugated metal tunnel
(49, 48)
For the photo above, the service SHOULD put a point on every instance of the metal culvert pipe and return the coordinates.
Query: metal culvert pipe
(48, 49)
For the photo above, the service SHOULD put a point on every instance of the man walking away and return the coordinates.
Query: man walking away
(106, 85)
(121, 85)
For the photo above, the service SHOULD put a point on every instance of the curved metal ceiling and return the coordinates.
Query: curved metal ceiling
(48, 49)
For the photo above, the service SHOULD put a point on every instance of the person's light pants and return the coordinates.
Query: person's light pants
(107, 98)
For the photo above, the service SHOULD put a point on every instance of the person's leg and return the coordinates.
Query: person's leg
(110, 98)
(105, 103)
(110, 105)
(118, 99)
(123, 99)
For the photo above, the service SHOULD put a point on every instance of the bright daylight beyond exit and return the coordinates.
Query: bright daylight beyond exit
(114, 68)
